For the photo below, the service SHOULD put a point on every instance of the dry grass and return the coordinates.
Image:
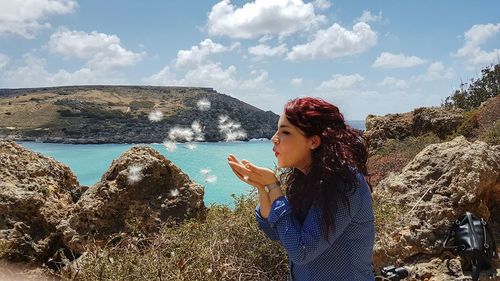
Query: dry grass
(226, 246)
(394, 155)
(492, 134)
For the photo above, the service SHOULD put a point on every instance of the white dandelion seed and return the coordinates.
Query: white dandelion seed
(205, 171)
(196, 126)
(198, 131)
(223, 118)
(203, 104)
(174, 192)
(191, 146)
(134, 174)
(245, 178)
(211, 179)
(170, 145)
(234, 135)
(180, 134)
(231, 130)
(155, 116)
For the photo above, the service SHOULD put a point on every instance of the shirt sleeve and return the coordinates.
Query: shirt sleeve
(305, 242)
(264, 225)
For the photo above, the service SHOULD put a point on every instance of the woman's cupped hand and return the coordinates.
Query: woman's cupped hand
(251, 174)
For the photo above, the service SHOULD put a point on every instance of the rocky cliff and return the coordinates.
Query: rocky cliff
(119, 114)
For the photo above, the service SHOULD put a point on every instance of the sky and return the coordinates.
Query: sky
(366, 57)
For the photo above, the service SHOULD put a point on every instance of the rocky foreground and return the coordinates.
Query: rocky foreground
(44, 212)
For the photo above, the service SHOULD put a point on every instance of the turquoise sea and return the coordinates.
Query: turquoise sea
(90, 161)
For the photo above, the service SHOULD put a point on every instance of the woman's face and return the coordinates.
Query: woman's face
(291, 147)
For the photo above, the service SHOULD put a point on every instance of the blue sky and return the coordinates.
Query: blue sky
(367, 57)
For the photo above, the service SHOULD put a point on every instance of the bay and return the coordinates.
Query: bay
(90, 161)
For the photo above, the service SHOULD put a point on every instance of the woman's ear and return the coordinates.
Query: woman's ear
(315, 141)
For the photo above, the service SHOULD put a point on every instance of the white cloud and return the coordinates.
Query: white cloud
(262, 17)
(211, 75)
(102, 51)
(368, 17)
(259, 81)
(204, 75)
(336, 41)
(474, 38)
(4, 60)
(267, 51)
(34, 74)
(437, 71)
(340, 82)
(392, 82)
(322, 4)
(24, 18)
(265, 38)
(297, 82)
(388, 60)
(198, 54)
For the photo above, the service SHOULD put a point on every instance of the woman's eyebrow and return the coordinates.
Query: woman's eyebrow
(282, 126)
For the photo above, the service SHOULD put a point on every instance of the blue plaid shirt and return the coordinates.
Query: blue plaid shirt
(348, 253)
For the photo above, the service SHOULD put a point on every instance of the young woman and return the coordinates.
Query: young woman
(325, 221)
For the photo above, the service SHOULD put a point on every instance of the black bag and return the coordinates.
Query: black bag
(473, 241)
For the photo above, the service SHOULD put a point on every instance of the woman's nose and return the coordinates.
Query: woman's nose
(275, 139)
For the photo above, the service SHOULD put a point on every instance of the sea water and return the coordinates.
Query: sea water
(90, 161)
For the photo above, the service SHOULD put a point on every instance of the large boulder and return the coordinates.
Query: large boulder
(443, 181)
(35, 196)
(438, 120)
(140, 192)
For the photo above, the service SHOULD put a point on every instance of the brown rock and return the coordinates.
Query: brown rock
(35, 195)
(438, 120)
(140, 191)
(442, 182)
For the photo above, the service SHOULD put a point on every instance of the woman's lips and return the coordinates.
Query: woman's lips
(276, 154)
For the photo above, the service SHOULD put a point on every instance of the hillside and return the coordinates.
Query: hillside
(119, 114)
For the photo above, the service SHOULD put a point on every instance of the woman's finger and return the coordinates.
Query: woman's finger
(251, 167)
(240, 168)
(233, 158)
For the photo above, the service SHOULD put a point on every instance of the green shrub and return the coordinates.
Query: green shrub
(472, 94)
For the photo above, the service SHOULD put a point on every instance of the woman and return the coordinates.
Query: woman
(325, 222)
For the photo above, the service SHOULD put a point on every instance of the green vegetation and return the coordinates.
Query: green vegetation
(492, 135)
(472, 94)
(226, 246)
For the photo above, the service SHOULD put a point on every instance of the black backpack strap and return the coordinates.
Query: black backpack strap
(493, 242)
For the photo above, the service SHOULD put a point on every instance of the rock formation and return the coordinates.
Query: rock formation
(35, 195)
(140, 192)
(437, 120)
(443, 181)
